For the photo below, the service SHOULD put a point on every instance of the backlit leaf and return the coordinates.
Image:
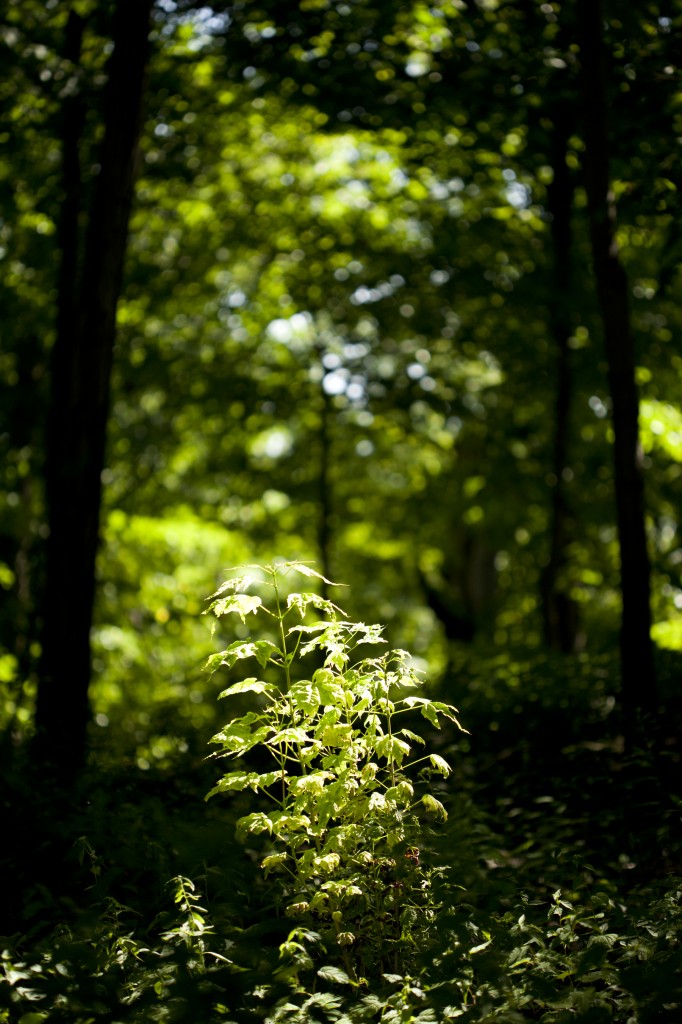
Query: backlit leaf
(242, 604)
(435, 807)
(440, 764)
(330, 973)
(248, 685)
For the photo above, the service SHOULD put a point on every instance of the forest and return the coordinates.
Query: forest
(341, 381)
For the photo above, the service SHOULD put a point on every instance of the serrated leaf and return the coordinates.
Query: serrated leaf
(402, 793)
(330, 973)
(338, 735)
(392, 748)
(242, 604)
(213, 662)
(238, 738)
(237, 781)
(440, 764)
(328, 862)
(435, 807)
(281, 822)
(262, 650)
(429, 709)
(301, 602)
(250, 685)
(253, 824)
(450, 712)
(273, 861)
(314, 627)
(305, 570)
(329, 685)
(430, 715)
(290, 735)
(238, 583)
(305, 696)
(411, 735)
(377, 802)
(313, 783)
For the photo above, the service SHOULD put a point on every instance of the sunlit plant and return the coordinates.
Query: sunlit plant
(348, 800)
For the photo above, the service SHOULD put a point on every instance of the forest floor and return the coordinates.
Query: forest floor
(559, 875)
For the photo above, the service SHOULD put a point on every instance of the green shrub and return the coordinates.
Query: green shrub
(349, 799)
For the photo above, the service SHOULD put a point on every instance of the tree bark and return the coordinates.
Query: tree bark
(559, 611)
(324, 480)
(639, 692)
(79, 404)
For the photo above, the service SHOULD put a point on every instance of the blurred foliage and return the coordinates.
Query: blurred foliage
(334, 336)
(335, 343)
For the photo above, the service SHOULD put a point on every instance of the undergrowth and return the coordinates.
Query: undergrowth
(538, 899)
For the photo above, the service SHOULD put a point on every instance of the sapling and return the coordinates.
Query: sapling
(348, 803)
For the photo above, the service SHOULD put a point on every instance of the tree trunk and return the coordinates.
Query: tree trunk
(559, 611)
(637, 665)
(324, 482)
(79, 404)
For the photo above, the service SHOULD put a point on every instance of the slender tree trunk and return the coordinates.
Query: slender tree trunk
(324, 484)
(637, 665)
(559, 612)
(81, 371)
(72, 121)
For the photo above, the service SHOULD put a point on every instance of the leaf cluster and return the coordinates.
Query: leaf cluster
(346, 783)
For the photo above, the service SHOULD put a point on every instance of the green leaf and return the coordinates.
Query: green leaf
(435, 807)
(313, 783)
(238, 738)
(430, 709)
(301, 602)
(450, 712)
(314, 627)
(242, 604)
(262, 650)
(392, 748)
(330, 973)
(290, 735)
(483, 945)
(214, 662)
(329, 685)
(273, 861)
(400, 794)
(440, 764)
(248, 685)
(253, 824)
(305, 696)
(425, 706)
(282, 822)
(338, 735)
(411, 735)
(342, 890)
(305, 570)
(246, 780)
(238, 583)
(328, 862)
(377, 802)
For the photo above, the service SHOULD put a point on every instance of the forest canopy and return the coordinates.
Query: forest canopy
(323, 281)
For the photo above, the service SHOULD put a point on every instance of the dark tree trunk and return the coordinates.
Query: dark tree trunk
(559, 611)
(81, 371)
(72, 121)
(637, 665)
(324, 480)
